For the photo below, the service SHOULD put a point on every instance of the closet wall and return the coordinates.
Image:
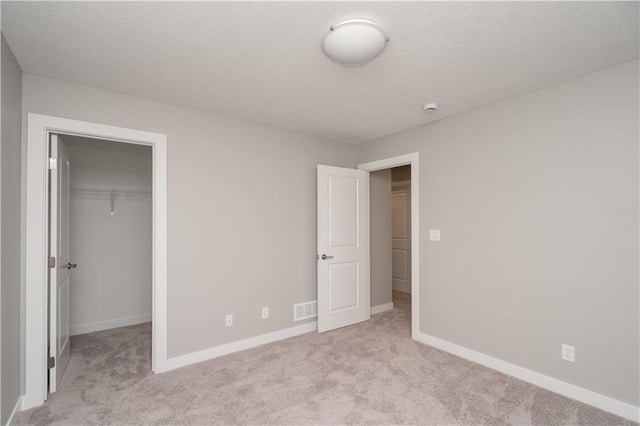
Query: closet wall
(112, 285)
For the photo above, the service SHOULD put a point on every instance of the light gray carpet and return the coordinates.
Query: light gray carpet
(371, 373)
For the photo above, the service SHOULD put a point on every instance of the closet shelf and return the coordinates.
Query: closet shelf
(108, 193)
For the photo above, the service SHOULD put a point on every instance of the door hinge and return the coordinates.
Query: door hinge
(52, 163)
(52, 362)
(52, 262)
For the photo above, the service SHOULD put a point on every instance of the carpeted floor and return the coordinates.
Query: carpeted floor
(370, 373)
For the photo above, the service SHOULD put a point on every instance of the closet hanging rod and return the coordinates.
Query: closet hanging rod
(109, 191)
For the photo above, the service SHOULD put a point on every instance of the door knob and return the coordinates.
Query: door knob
(325, 257)
(72, 265)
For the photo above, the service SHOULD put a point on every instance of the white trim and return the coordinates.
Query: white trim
(38, 129)
(90, 327)
(240, 345)
(16, 408)
(403, 160)
(600, 401)
(381, 308)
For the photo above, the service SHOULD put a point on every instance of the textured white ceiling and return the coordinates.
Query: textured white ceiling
(262, 61)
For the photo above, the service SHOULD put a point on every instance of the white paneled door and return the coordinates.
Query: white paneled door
(59, 262)
(401, 239)
(343, 247)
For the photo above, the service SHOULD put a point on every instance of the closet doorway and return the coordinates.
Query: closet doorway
(110, 234)
(101, 236)
(401, 229)
(42, 177)
(403, 173)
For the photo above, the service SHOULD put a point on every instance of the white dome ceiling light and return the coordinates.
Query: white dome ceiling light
(355, 41)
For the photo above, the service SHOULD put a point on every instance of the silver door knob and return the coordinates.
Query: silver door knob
(72, 265)
(325, 257)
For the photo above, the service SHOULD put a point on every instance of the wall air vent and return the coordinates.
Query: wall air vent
(305, 310)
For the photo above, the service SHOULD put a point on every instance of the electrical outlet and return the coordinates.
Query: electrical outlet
(265, 312)
(569, 353)
(228, 320)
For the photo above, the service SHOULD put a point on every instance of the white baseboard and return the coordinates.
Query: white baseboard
(16, 408)
(109, 324)
(240, 345)
(597, 400)
(381, 308)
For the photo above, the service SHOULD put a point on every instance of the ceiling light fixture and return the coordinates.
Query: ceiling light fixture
(431, 107)
(355, 41)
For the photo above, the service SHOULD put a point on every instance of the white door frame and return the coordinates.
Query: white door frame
(37, 197)
(403, 160)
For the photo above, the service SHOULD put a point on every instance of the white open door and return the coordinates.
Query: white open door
(401, 239)
(343, 247)
(59, 262)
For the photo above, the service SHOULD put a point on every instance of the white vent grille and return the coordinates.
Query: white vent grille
(305, 310)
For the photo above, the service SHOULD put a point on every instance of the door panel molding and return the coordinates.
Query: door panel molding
(341, 297)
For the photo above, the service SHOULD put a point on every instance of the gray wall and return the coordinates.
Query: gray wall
(242, 210)
(112, 285)
(380, 224)
(537, 200)
(10, 216)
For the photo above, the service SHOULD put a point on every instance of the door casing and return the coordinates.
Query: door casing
(412, 160)
(39, 127)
